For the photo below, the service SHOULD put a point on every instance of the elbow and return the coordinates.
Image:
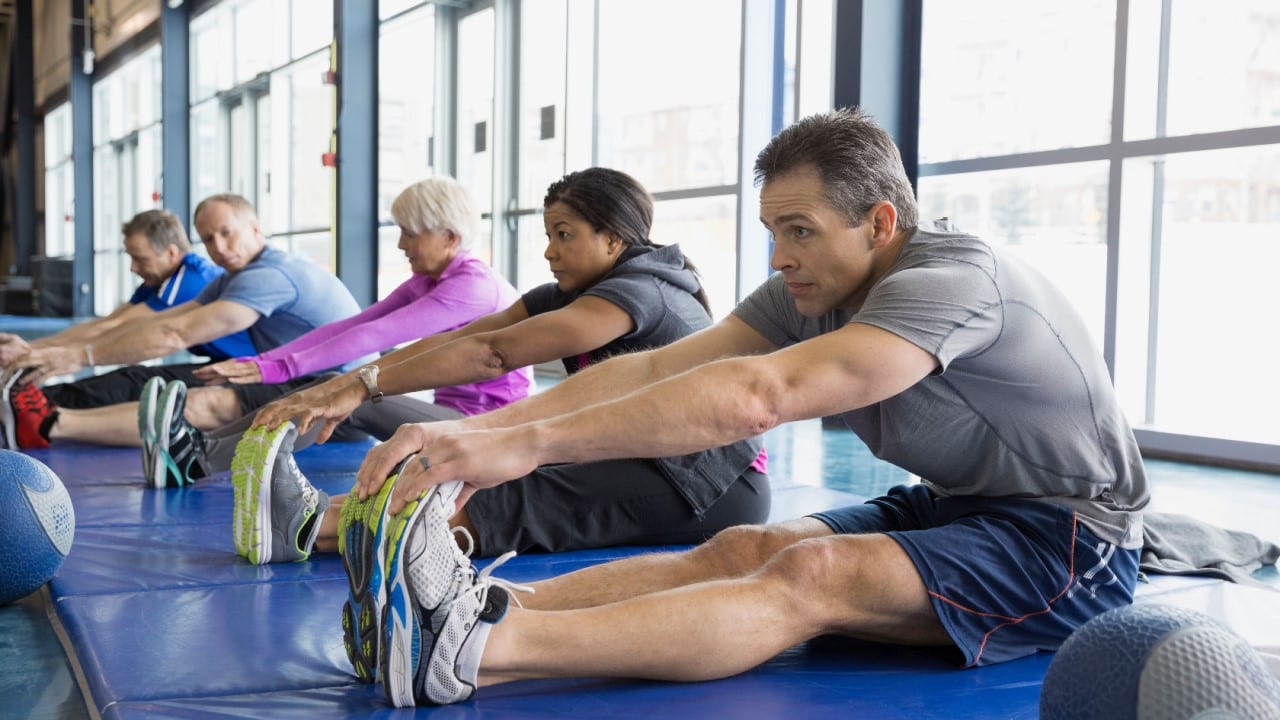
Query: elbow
(172, 340)
(492, 359)
(762, 402)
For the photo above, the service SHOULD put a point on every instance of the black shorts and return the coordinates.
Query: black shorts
(125, 385)
(615, 502)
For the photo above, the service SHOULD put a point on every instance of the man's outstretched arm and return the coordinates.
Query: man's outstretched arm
(708, 406)
(12, 346)
(170, 331)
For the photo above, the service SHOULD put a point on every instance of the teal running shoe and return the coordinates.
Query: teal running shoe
(178, 450)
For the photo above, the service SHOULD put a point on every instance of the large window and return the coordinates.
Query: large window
(406, 125)
(673, 124)
(126, 168)
(995, 88)
(59, 176)
(1197, 291)
(537, 88)
(1145, 184)
(262, 116)
(473, 114)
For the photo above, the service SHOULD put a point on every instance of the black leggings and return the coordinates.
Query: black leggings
(614, 502)
(124, 385)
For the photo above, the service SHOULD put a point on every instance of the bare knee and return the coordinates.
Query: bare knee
(211, 407)
(809, 577)
(744, 549)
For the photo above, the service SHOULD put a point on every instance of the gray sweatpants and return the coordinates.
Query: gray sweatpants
(379, 420)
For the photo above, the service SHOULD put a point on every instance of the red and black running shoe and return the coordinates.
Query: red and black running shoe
(31, 408)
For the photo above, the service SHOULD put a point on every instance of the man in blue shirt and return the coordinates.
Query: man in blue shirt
(160, 254)
(265, 294)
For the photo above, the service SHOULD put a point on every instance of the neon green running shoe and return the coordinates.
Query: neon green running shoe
(277, 511)
(362, 540)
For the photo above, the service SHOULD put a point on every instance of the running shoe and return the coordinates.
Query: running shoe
(179, 445)
(277, 510)
(453, 666)
(147, 426)
(362, 541)
(31, 414)
(426, 571)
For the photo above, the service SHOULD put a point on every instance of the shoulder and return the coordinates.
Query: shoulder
(945, 245)
(201, 266)
(543, 298)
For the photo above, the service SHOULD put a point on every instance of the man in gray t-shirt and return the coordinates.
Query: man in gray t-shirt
(946, 357)
(1020, 404)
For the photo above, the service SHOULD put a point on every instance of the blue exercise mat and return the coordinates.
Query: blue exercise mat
(164, 620)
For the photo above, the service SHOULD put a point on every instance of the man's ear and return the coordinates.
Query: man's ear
(884, 222)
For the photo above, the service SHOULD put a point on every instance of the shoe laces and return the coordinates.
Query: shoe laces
(462, 532)
(305, 487)
(29, 398)
(485, 580)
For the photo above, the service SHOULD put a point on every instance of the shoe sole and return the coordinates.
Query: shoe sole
(364, 552)
(160, 460)
(146, 426)
(255, 456)
(402, 614)
(10, 379)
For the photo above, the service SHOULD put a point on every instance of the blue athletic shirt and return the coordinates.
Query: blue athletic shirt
(185, 284)
(292, 295)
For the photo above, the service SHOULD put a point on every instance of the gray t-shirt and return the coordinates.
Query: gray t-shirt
(654, 287)
(293, 296)
(1021, 404)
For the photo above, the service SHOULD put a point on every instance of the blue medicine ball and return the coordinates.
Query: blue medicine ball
(1156, 661)
(37, 525)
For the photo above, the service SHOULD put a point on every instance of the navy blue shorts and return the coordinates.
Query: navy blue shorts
(1007, 577)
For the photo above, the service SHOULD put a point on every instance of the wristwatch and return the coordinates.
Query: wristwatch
(369, 376)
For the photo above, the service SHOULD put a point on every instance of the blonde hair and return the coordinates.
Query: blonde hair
(438, 204)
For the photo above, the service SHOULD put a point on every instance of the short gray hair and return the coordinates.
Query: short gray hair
(438, 204)
(161, 228)
(856, 159)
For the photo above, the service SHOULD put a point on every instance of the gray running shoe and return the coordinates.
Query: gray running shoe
(277, 511)
(147, 427)
(176, 456)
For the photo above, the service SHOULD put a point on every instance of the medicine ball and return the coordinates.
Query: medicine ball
(1150, 661)
(37, 525)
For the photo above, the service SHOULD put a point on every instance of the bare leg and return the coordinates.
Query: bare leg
(108, 425)
(859, 585)
(731, 553)
(327, 537)
(209, 408)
